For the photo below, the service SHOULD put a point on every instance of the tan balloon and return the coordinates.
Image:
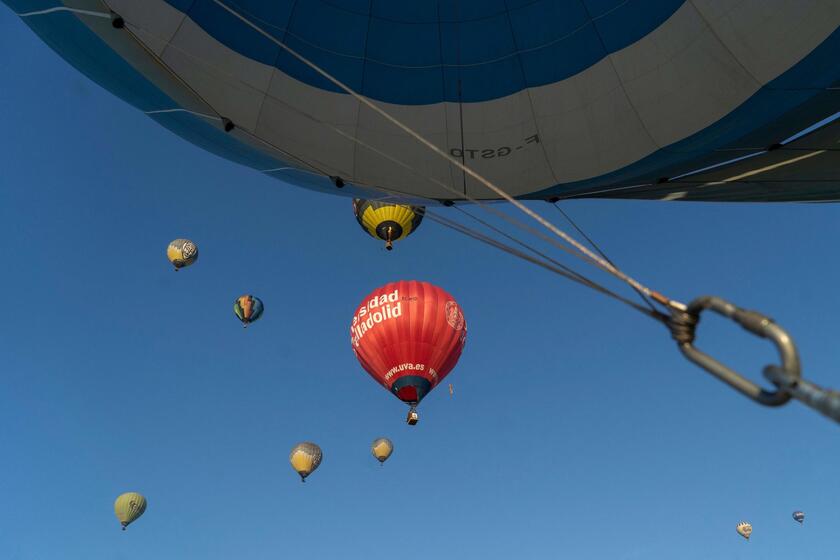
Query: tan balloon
(129, 507)
(305, 458)
(382, 449)
(744, 529)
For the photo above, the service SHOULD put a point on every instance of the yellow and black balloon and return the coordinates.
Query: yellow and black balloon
(388, 222)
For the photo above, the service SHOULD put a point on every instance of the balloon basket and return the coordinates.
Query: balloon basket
(412, 417)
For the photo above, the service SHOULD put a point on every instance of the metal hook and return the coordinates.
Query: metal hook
(684, 323)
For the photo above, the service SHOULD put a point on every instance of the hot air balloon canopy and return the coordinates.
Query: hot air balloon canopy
(248, 308)
(181, 253)
(129, 507)
(305, 457)
(408, 336)
(381, 448)
(546, 98)
(387, 221)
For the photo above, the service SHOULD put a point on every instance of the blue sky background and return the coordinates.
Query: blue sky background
(577, 429)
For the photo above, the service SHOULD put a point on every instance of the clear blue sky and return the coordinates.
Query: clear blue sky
(577, 430)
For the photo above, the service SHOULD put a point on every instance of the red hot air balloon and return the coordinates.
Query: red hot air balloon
(408, 336)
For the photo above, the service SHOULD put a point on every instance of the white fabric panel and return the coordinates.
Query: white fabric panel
(681, 78)
(403, 151)
(588, 124)
(503, 143)
(232, 84)
(291, 118)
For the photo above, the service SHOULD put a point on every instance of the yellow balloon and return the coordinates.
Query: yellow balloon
(128, 507)
(181, 253)
(744, 529)
(388, 222)
(305, 458)
(382, 449)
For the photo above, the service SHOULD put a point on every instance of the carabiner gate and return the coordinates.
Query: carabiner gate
(684, 323)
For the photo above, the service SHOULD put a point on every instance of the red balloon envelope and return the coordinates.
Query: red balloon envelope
(408, 336)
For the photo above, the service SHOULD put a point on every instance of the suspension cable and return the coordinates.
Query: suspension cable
(569, 219)
(517, 241)
(574, 276)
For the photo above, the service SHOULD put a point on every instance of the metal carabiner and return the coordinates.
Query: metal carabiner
(684, 323)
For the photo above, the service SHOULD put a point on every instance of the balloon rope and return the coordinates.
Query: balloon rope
(600, 262)
(595, 246)
(518, 242)
(549, 264)
(556, 267)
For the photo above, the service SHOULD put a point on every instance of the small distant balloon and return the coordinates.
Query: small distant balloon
(382, 449)
(248, 309)
(744, 529)
(129, 507)
(305, 458)
(181, 253)
(799, 516)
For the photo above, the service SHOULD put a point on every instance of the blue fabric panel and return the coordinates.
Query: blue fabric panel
(496, 47)
(23, 6)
